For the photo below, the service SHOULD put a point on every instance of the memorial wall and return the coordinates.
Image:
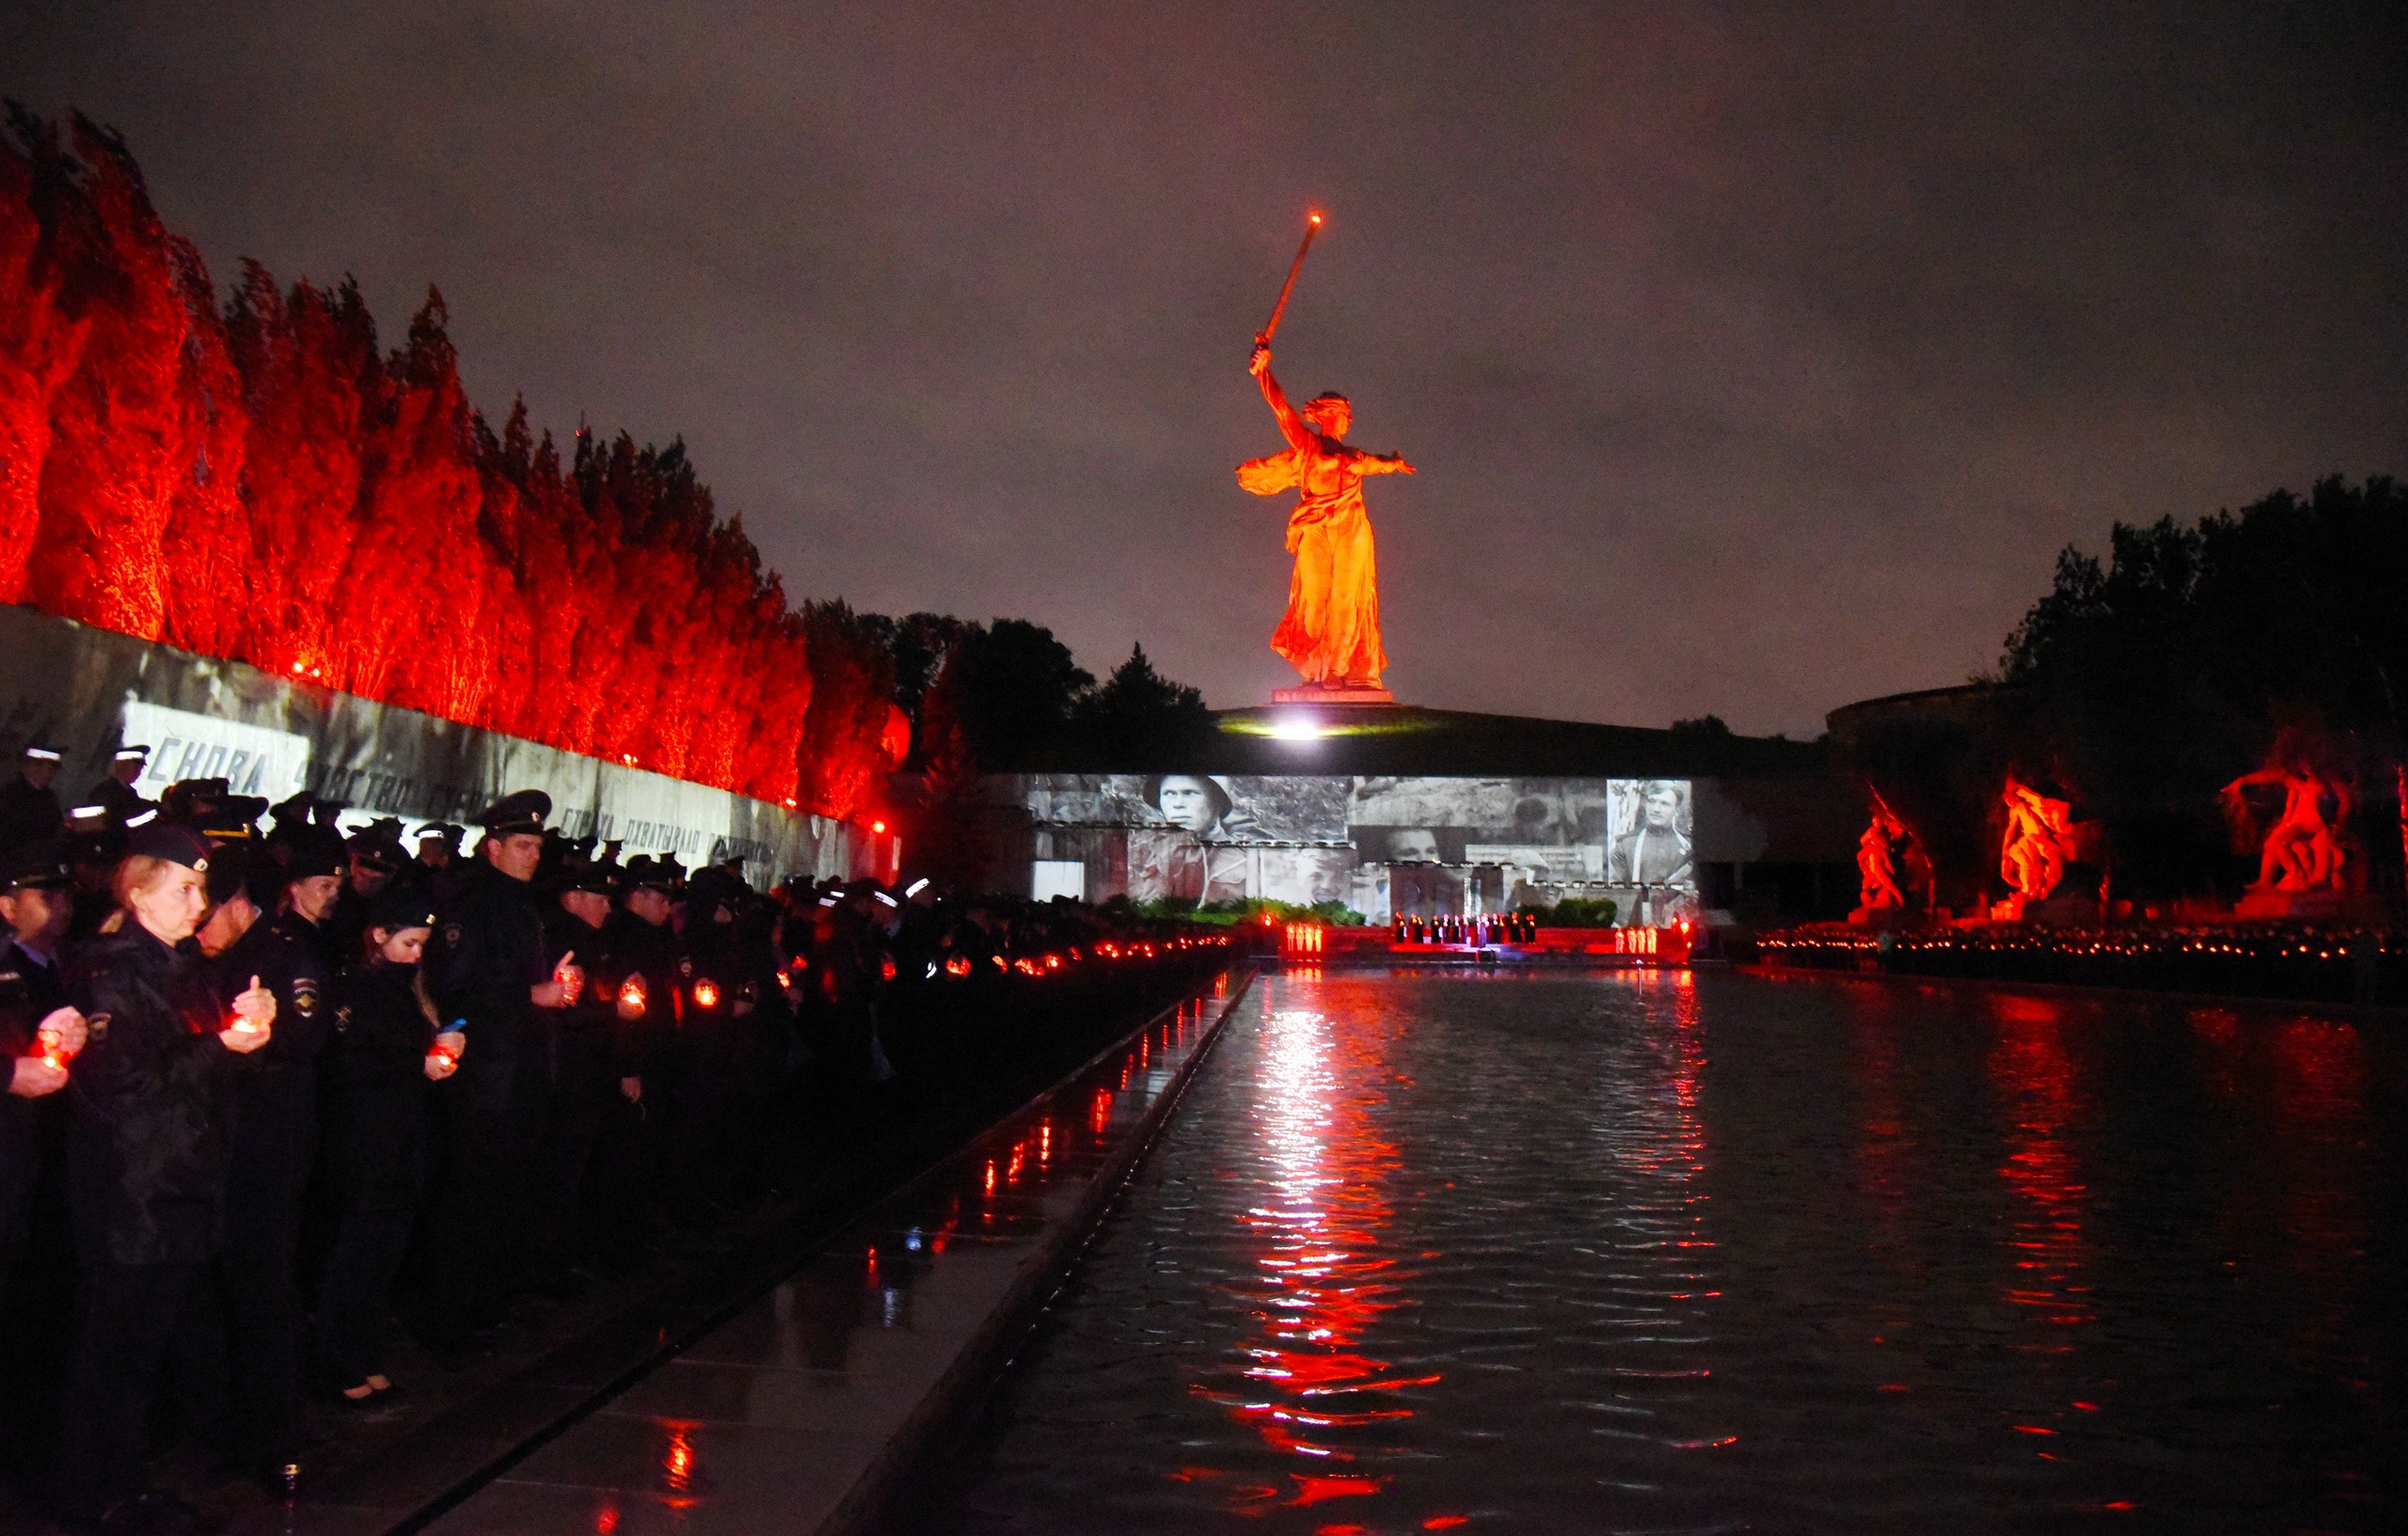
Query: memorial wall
(85, 691)
(1399, 845)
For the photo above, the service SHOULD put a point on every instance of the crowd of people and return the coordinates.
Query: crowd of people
(267, 1072)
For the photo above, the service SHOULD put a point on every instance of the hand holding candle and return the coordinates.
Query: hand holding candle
(61, 1037)
(443, 1056)
(254, 1011)
(559, 992)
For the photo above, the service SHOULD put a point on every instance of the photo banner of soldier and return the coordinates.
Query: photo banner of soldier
(1383, 846)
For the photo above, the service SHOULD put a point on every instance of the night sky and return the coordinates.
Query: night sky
(1755, 359)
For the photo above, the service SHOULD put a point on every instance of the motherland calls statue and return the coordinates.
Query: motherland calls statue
(1331, 632)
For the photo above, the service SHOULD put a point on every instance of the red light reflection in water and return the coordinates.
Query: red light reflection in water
(1322, 1282)
(1884, 1152)
(2044, 1099)
(680, 1469)
(2295, 1091)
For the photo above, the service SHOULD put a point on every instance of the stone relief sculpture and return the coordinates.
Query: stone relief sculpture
(2305, 853)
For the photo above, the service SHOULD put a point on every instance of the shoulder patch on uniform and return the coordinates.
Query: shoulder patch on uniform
(451, 934)
(685, 965)
(305, 996)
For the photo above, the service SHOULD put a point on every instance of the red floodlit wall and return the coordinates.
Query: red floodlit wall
(260, 482)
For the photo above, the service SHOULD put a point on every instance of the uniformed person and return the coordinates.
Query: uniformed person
(488, 971)
(149, 1137)
(38, 1031)
(30, 809)
(255, 935)
(379, 1059)
(639, 981)
(118, 801)
(39, 1038)
(377, 857)
(574, 1068)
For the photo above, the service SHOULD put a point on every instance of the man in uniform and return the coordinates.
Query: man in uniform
(35, 907)
(377, 857)
(254, 929)
(116, 794)
(570, 1076)
(488, 971)
(639, 981)
(30, 809)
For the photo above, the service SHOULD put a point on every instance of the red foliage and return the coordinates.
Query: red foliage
(263, 485)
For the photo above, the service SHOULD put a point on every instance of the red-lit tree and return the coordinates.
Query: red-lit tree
(263, 485)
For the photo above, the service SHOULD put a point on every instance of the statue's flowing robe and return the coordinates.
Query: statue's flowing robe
(1331, 632)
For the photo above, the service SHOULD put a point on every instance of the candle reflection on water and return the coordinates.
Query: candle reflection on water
(1324, 1283)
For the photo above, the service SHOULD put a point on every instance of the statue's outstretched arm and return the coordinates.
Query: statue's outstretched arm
(1291, 426)
(1383, 464)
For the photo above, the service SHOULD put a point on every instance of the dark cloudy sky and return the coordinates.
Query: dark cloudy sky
(1755, 358)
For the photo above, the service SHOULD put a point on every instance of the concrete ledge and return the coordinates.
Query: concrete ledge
(2348, 1012)
(805, 1410)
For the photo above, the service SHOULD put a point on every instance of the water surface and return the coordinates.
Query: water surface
(1648, 1253)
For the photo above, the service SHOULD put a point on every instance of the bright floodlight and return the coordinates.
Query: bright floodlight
(1295, 728)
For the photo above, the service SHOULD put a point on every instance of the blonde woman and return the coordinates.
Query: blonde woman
(147, 1158)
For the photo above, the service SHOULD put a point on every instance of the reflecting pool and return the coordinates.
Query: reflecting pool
(1652, 1253)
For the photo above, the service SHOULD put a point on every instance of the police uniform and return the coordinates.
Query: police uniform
(376, 850)
(486, 956)
(31, 989)
(119, 802)
(637, 981)
(378, 1139)
(149, 1137)
(571, 1065)
(274, 1134)
(29, 813)
(713, 982)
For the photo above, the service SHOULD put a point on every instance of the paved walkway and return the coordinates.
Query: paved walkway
(798, 1414)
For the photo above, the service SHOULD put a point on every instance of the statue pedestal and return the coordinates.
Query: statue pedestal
(2310, 905)
(1329, 693)
(1877, 917)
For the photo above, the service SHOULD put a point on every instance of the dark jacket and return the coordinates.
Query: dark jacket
(29, 991)
(284, 953)
(122, 801)
(275, 1087)
(634, 948)
(27, 814)
(484, 957)
(376, 1151)
(564, 935)
(149, 1141)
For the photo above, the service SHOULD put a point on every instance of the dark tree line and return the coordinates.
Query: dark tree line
(1017, 699)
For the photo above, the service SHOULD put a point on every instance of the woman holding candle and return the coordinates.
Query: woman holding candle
(383, 1053)
(148, 1152)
